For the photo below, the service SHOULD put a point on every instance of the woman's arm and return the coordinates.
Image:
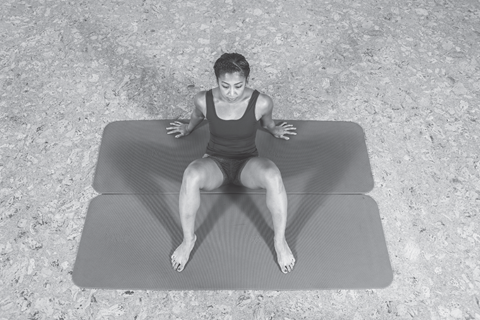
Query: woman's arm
(265, 103)
(198, 114)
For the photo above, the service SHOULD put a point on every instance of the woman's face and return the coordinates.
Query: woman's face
(232, 86)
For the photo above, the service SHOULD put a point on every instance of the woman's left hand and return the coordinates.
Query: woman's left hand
(282, 130)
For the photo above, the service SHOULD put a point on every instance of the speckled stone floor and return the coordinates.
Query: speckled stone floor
(407, 71)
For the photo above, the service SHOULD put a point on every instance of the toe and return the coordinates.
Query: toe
(176, 265)
(290, 267)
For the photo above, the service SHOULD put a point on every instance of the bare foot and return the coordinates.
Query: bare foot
(285, 258)
(181, 254)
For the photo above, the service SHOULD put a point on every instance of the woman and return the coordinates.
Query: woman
(232, 110)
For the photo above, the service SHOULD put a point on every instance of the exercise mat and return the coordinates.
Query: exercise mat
(139, 157)
(337, 240)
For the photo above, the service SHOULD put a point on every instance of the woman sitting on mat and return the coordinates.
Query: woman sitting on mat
(232, 110)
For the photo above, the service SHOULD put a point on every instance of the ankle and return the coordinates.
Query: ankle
(190, 238)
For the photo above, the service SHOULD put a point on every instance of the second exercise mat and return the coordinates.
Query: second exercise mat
(337, 240)
(324, 157)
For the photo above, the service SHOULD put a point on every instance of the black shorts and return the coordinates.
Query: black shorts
(231, 168)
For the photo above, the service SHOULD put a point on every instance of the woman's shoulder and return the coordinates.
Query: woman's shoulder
(200, 95)
(200, 101)
(263, 97)
(264, 102)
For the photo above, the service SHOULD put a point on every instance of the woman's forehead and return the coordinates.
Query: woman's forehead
(232, 78)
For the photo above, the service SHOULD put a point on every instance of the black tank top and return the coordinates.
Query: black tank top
(233, 139)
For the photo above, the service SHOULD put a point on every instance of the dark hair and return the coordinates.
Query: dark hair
(231, 63)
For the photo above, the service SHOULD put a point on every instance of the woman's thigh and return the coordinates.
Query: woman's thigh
(206, 172)
(259, 173)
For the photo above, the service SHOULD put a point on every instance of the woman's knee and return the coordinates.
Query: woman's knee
(272, 177)
(193, 175)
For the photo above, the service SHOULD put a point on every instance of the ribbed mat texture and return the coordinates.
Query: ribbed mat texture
(334, 230)
(324, 157)
(337, 240)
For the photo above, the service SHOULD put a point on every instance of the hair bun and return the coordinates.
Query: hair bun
(231, 63)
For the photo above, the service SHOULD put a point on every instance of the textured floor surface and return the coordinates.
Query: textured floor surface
(407, 71)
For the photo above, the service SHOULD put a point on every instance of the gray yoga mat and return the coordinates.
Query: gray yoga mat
(138, 157)
(337, 240)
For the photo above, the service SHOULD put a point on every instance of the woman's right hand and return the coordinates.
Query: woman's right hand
(178, 127)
